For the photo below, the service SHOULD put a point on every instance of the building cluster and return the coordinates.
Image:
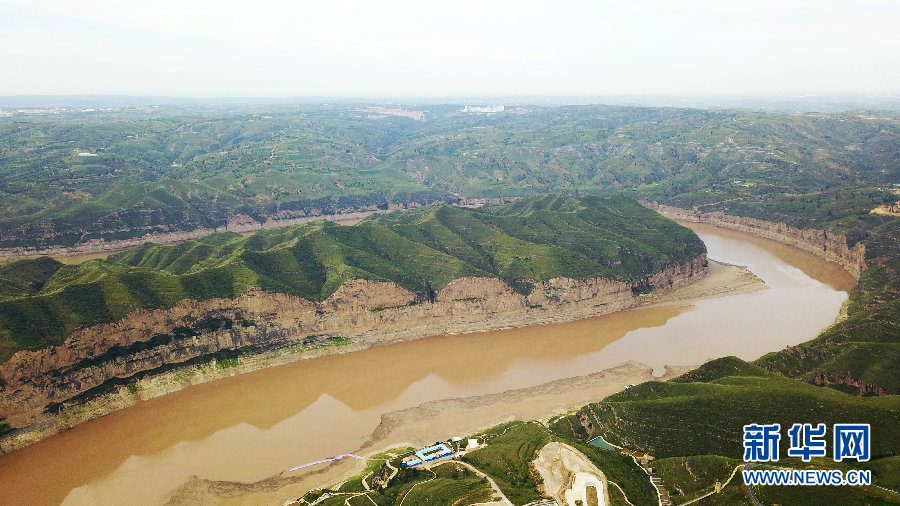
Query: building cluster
(489, 109)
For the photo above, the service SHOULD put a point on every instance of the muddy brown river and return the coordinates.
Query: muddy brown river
(255, 425)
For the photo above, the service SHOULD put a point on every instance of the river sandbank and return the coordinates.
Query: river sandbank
(721, 280)
(421, 425)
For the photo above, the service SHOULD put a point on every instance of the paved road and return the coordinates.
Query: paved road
(750, 491)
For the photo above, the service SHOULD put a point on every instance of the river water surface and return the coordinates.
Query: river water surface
(251, 426)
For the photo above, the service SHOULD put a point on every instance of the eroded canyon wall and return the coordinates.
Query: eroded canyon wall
(35, 384)
(827, 245)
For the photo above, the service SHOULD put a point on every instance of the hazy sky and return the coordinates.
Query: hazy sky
(381, 47)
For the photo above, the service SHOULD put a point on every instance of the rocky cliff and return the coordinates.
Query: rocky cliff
(40, 388)
(824, 244)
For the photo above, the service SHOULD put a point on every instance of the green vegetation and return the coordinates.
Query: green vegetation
(883, 474)
(860, 354)
(223, 358)
(710, 414)
(184, 168)
(798, 495)
(693, 425)
(720, 368)
(734, 494)
(886, 472)
(187, 167)
(421, 250)
(411, 303)
(617, 498)
(227, 363)
(619, 468)
(507, 456)
(26, 277)
(446, 483)
(690, 477)
(451, 484)
(123, 351)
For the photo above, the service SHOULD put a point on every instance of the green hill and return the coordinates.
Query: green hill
(184, 167)
(861, 354)
(705, 416)
(26, 277)
(694, 425)
(421, 250)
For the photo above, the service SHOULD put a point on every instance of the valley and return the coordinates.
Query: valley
(482, 268)
(591, 345)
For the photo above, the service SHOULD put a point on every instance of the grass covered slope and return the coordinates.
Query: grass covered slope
(703, 413)
(41, 301)
(507, 456)
(26, 277)
(693, 425)
(861, 354)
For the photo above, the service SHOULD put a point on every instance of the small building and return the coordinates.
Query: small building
(412, 461)
(473, 445)
(434, 452)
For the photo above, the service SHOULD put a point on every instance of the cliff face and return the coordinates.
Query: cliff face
(826, 245)
(367, 312)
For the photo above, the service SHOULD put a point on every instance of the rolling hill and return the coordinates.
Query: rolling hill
(71, 177)
(421, 250)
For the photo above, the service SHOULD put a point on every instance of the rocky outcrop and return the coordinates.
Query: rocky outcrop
(864, 388)
(829, 246)
(37, 384)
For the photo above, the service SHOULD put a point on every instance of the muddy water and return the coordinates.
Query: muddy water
(255, 425)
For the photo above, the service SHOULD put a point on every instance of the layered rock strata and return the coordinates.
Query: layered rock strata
(39, 388)
(827, 245)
